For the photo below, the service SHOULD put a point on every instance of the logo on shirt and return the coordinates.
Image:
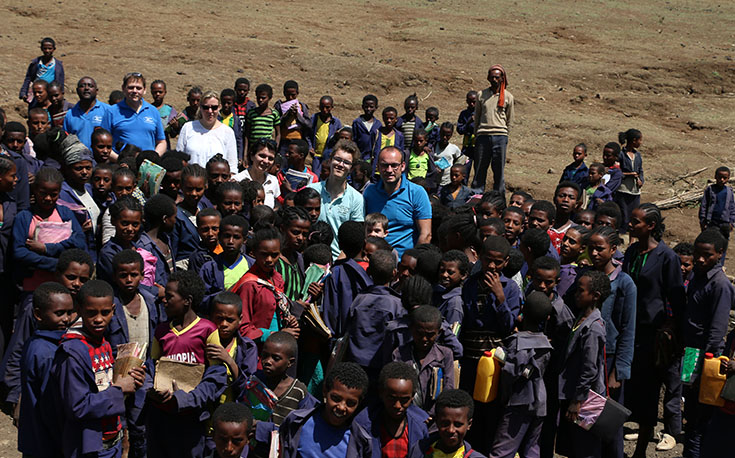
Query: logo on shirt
(184, 357)
(97, 119)
(148, 119)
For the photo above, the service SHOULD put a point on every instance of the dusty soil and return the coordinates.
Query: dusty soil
(578, 71)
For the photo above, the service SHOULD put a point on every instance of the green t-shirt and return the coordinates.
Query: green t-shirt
(418, 166)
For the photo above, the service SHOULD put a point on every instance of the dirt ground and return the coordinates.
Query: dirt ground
(579, 71)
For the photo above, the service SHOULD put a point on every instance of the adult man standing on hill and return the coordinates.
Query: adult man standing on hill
(493, 115)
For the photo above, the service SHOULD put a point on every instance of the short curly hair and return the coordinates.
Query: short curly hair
(598, 282)
(348, 374)
(233, 412)
(454, 399)
(189, 285)
(397, 370)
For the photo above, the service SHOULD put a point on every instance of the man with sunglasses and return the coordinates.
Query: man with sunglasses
(340, 202)
(133, 120)
(405, 204)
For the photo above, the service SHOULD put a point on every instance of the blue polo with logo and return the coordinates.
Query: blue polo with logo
(143, 129)
(408, 204)
(82, 124)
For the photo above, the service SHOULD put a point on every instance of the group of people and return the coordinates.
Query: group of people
(285, 285)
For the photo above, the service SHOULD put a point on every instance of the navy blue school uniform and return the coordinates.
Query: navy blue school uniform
(482, 311)
(583, 369)
(576, 174)
(82, 410)
(615, 177)
(717, 206)
(32, 75)
(184, 238)
(365, 138)
(450, 303)
(369, 313)
(246, 358)
(603, 193)
(67, 194)
(347, 280)
(263, 429)
(104, 260)
(438, 358)
(707, 313)
(523, 393)
(359, 444)
(713, 442)
(212, 274)
(199, 257)
(117, 331)
(205, 202)
(433, 136)
(334, 126)
(27, 261)
(447, 199)
(179, 430)
(10, 209)
(424, 448)
(21, 194)
(34, 439)
(371, 417)
(567, 277)
(23, 328)
(626, 200)
(398, 332)
(163, 271)
(660, 297)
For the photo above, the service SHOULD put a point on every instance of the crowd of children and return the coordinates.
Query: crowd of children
(251, 308)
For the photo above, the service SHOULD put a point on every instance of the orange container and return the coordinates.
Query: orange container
(712, 381)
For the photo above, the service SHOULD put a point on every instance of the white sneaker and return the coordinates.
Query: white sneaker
(631, 437)
(667, 442)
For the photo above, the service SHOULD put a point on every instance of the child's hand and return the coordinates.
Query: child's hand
(492, 281)
(315, 289)
(126, 384)
(638, 182)
(217, 352)
(573, 411)
(727, 367)
(291, 326)
(612, 381)
(36, 246)
(87, 226)
(31, 178)
(138, 374)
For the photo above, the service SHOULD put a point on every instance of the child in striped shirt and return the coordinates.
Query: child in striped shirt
(262, 122)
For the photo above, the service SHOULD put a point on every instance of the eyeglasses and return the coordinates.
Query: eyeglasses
(210, 107)
(393, 166)
(339, 160)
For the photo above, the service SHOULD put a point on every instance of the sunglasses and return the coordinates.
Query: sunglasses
(210, 107)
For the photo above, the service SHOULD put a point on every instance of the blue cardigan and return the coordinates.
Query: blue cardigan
(33, 70)
(370, 419)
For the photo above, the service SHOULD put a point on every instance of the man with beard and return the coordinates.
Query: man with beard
(87, 114)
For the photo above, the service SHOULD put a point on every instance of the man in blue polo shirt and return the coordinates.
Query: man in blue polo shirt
(133, 120)
(404, 203)
(87, 114)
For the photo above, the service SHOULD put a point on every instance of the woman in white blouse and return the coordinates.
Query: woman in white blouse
(205, 137)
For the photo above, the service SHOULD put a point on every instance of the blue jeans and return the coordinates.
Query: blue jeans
(490, 153)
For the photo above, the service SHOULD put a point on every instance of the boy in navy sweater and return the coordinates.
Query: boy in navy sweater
(718, 206)
(365, 127)
(53, 310)
(87, 402)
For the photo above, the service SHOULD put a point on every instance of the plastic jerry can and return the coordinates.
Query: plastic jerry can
(712, 381)
(488, 376)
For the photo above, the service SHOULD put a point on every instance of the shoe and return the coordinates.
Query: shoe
(667, 442)
(631, 437)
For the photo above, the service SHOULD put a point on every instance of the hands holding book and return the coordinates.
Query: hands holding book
(132, 381)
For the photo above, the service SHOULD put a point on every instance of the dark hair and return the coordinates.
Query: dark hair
(389, 109)
(242, 81)
(599, 167)
(463, 263)
(712, 236)
(115, 97)
(397, 370)
(290, 84)
(193, 170)
(447, 125)
(495, 198)
(224, 188)
(515, 210)
(150, 155)
(262, 235)
(433, 110)
(232, 412)
(193, 91)
(161, 82)
(206, 212)
(380, 243)
(537, 240)
(172, 164)
(464, 223)
(581, 145)
(228, 298)
(262, 216)
(287, 215)
(49, 175)
(227, 92)
(496, 243)
(546, 207)
(125, 203)
(103, 167)
(306, 194)
(123, 172)
(611, 210)
(382, 265)
(722, 169)
(127, 257)
(427, 265)
(189, 285)
(48, 40)
(321, 233)
(42, 294)
(652, 215)
(608, 233)
(599, 282)
(236, 221)
(613, 146)
(351, 238)
(158, 207)
(14, 126)
(426, 314)
(318, 253)
(545, 263)
(515, 263)
(302, 147)
(217, 158)
(454, 399)
(94, 288)
(98, 132)
(416, 291)
(76, 255)
(411, 98)
(286, 339)
(370, 98)
(628, 136)
(250, 191)
(523, 194)
(324, 98)
(684, 249)
(349, 374)
(496, 223)
(569, 184)
(6, 164)
(536, 309)
(264, 88)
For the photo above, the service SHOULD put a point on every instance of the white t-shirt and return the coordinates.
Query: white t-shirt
(451, 153)
(271, 187)
(202, 144)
